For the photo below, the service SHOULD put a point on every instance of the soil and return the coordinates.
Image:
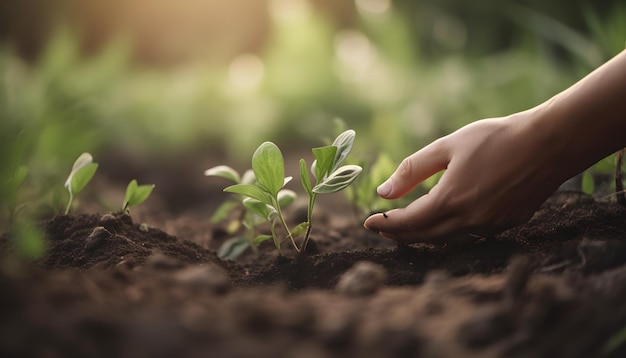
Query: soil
(112, 287)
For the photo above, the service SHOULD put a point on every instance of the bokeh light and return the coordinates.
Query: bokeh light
(246, 71)
(354, 52)
(373, 6)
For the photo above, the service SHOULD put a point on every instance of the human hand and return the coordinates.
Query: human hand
(498, 172)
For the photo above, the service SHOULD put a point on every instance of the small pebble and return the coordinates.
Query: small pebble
(362, 279)
(143, 227)
(96, 237)
(109, 220)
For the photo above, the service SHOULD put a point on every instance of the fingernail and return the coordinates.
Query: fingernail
(384, 189)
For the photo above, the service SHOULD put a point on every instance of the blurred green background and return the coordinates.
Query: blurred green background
(205, 82)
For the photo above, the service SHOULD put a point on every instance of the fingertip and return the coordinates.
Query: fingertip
(385, 188)
(370, 221)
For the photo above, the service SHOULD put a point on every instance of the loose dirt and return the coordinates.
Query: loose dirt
(111, 287)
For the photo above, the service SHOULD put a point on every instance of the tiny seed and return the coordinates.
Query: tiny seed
(385, 215)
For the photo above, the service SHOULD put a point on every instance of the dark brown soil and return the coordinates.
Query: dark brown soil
(110, 287)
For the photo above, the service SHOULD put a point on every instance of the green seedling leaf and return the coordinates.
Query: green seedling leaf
(233, 248)
(251, 191)
(82, 177)
(20, 176)
(344, 143)
(269, 167)
(223, 211)
(82, 171)
(300, 229)
(305, 179)
(263, 210)
(286, 197)
(260, 239)
(136, 194)
(83, 161)
(224, 171)
(324, 159)
(338, 180)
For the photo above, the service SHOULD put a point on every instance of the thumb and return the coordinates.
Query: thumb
(414, 169)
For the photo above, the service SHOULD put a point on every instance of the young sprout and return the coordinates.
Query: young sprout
(136, 194)
(264, 196)
(330, 176)
(254, 212)
(362, 193)
(83, 170)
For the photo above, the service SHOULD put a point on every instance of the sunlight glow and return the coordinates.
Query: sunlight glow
(246, 71)
(289, 10)
(373, 6)
(354, 53)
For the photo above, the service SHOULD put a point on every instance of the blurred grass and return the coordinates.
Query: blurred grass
(373, 74)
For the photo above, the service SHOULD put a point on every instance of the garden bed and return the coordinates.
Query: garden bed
(554, 287)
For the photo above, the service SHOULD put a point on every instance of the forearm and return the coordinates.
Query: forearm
(587, 121)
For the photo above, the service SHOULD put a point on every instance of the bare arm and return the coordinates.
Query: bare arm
(500, 170)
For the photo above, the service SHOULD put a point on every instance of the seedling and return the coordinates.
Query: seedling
(235, 246)
(135, 195)
(263, 196)
(83, 170)
(362, 194)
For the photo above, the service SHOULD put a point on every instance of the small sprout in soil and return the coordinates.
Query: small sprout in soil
(264, 196)
(136, 194)
(362, 194)
(83, 170)
(249, 218)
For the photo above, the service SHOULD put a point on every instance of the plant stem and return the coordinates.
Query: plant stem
(67, 209)
(284, 224)
(309, 219)
(249, 224)
(274, 236)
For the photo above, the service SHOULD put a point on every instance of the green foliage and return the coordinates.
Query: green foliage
(266, 197)
(255, 211)
(136, 194)
(233, 248)
(608, 31)
(362, 194)
(269, 169)
(28, 240)
(83, 170)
